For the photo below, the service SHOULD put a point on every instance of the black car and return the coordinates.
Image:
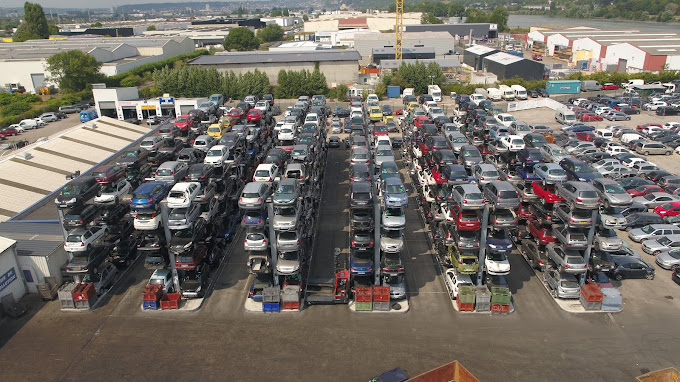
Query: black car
(533, 93)
(675, 276)
(528, 157)
(194, 283)
(631, 268)
(387, 110)
(333, 141)
(425, 98)
(629, 110)
(634, 182)
(200, 172)
(543, 93)
(601, 261)
(361, 219)
(276, 156)
(136, 175)
(121, 230)
(88, 261)
(641, 219)
(124, 252)
(133, 157)
(183, 240)
(361, 239)
(77, 192)
(80, 216)
(112, 214)
(391, 262)
(667, 110)
(537, 257)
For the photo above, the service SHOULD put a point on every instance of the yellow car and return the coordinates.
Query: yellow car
(388, 118)
(216, 130)
(227, 121)
(375, 114)
(412, 106)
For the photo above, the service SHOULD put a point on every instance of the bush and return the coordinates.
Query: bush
(132, 80)
(15, 108)
(10, 120)
(175, 61)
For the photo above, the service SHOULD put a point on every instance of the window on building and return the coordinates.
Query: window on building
(28, 276)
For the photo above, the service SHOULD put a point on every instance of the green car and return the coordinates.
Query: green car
(465, 261)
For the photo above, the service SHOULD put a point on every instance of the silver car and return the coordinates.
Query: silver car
(501, 194)
(457, 140)
(550, 172)
(571, 238)
(656, 199)
(612, 217)
(485, 173)
(382, 153)
(655, 246)
(579, 194)
(204, 142)
(607, 240)
(285, 218)
(577, 218)
(256, 241)
(669, 260)
(391, 240)
(569, 261)
(553, 153)
(288, 241)
(288, 262)
(393, 217)
(611, 192)
(393, 193)
(183, 218)
(616, 171)
(468, 196)
(254, 195)
(562, 285)
(651, 230)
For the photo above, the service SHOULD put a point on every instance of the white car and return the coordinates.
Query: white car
(652, 106)
(19, 129)
(512, 142)
(629, 162)
(614, 150)
(286, 134)
(603, 110)
(671, 125)
(49, 117)
(605, 162)
(112, 193)
(217, 156)
(147, 220)
(505, 119)
(496, 264)
(81, 239)
(455, 280)
(151, 143)
(183, 194)
(266, 172)
(626, 138)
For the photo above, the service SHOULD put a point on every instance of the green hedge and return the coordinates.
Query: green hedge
(51, 104)
(134, 76)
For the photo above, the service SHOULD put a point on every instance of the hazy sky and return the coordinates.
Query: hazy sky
(80, 3)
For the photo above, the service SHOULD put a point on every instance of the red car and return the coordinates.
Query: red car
(399, 112)
(524, 212)
(586, 136)
(7, 131)
(543, 235)
(644, 190)
(379, 129)
(537, 57)
(108, 174)
(585, 117)
(610, 86)
(254, 115)
(547, 194)
(668, 209)
(466, 220)
(189, 261)
(421, 120)
(642, 127)
(236, 112)
(184, 123)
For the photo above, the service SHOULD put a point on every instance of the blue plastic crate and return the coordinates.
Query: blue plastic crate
(150, 305)
(271, 307)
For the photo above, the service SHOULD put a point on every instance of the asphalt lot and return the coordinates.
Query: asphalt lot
(536, 343)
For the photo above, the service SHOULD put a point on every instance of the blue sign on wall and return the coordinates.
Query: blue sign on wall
(7, 278)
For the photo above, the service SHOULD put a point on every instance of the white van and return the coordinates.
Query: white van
(476, 98)
(604, 133)
(481, 91)
(631, 83)
(520, 91)
(407, 92)
(565, 116)
(435, 92)
(506, 92)
(29, 124)
(494, 94)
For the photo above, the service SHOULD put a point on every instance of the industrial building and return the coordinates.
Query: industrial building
(343, 21)
(341, 38)
(380, 54)
(458, 31)
(11, 279)
(505, 65)
(440, 42)
(474, 55)
(447, 64)
(232, 21)
(339, 66)
(24, 62)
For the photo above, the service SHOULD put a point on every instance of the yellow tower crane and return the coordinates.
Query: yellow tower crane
(399, 29)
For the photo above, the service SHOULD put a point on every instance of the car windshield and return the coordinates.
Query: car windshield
(575, 260)
(664, 241)
(74, 238)
(181, 119)
(285, 189)
(394, 212)
(140, 196)
(185, 258)
(215, 153)
(649, 197)
(473, 196)
(129, 154)
(288, 235)
(108, 189)
(587, 194)
(469, 216)
(559, 152)
(568, 284)
(183, 233)
(255, 236)
(384, 152)
(458, 174)
(578, 168)
(577, 236)
(667, 206)
(262, 173)
(607, 233)
(557, 172)
(459, 140)
(395, 189)
(501, 235)
(288, 255)
(614, 189)
(496, 256)
(507, 195)
(392, 233)
(285, 211)
(300, 152)
(178, 214)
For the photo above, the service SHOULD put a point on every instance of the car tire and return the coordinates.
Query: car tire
(646, 153)
(618, 277)
(650, 276)
(668, 153)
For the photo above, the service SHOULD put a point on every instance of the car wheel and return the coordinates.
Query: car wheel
(618, 277)
(668, 153)
(646, 153)
(628, 229)
(650, 276)
(656, 253)
(675, 267)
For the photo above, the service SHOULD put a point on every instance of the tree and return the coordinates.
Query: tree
(272, 32)
(286, 13)
(241, 39)
(305, 18)
(500, 16)
(96, 25)
(429, 18)
(74, 70)
(34, 25)
(276, 13)
(53, 28)
(151, 28)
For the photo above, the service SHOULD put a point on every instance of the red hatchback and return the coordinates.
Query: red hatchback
(585, 117)
(610, 87)
(184, 123)
(644, 190)
(543, 235)
(668, 209)
(466, 220)
(586, 136)
(236, 112)
(254, 115)
(108, 174)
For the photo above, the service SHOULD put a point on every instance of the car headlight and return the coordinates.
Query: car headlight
(492, 246)
(582, 179)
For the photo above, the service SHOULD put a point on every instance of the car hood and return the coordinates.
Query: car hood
(398, 288)
(392, 221)
(664, 257)
(388, 241)
(396, 197)
(287, 266)
(499, 243)
(620, 198)
(497, 265)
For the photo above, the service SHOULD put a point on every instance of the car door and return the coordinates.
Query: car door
(86, 237)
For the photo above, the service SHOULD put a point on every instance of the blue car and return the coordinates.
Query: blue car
(148, 195)
(579, 128)
(361, 263)
(527, 174)
(578, 170)
(254, 219)
(394, 193)
(499, 242)
(231, 225)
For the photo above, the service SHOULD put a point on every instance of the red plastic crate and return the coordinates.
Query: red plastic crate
(500, 308)
(294, 305)
(592, 293)
(381, 293)
(152, 293)
(170, 301)
(465, 306)
(83, 292)
(363, 294)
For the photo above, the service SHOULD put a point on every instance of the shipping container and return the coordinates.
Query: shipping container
(393, 91)
(563, 87)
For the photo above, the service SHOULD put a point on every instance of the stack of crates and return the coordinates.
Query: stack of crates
(84, 295)
(271, 299)
(591, 297)
(152, 297)
(500, 300)
(171, 301)
(381, 298)
(66, 296)
(363, 299)
(482, 299)
(291, 297)
(466, 299)
(611, 299)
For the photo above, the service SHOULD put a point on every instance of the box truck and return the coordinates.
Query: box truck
(494, 94)
(435, 92)
(506, 93)
(520, 91)
(587, 86)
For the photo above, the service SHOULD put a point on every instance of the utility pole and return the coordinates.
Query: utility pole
(399, 29)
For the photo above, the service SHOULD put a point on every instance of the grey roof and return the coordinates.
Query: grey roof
(276, 57)
(478, 30)
(422, 50)
(442, 62)
(33, 238)
(480, 49)
(503, 58)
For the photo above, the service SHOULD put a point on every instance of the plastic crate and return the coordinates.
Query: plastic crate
(482, 295)
(170, 301)
(363, 294)
(611, 297)
(381, 306)
(465, 306)
(152, 292)
(501, 296)
(381, 293)
(83, 292)
(610, 308)
(66, 291)
(271, 294)
(150, 305)
(67, 304)
(363, 306)
(592, 293)
(291, 305)
(271, 306)
(590, 305)
(483, 306)
(500, 308)
(84, 304)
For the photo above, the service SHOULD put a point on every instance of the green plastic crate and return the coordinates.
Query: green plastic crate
(363, 306)
(466, 294)
(501, 296)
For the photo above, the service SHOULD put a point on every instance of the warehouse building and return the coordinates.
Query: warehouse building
(474, 55)
(439, 42)
(11, 278)
(339, 66)
(380, 54)
(505, 65)
(458, 31)
(24, 62)
(644, 56)
(344, 21)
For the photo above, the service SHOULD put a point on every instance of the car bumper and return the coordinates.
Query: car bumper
(79, 248)
(146, 226)
(663, 265)
(568, 294)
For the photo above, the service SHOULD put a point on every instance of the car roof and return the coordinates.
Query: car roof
(361, 186)
(253, 186)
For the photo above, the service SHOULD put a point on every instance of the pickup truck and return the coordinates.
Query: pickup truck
(546, 193)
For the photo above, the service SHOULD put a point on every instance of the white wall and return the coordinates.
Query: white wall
(556, 39)
(589, 45)
(43, 266)
(673, 62)
(20, 72)
(536, 35)
(635, 56)
(8, 262)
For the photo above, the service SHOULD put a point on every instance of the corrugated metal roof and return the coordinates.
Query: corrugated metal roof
(503, 58)
(480, 49)
(406, 36)
(276, 57)
(404, 50)
(442, 62)
(33, 238)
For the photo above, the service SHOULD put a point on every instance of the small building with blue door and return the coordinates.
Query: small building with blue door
(11, 276)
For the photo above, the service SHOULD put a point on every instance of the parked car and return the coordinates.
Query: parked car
(579, 194)
(454, 280)
(536, 256)
(562, 284)
(82, 239)
(569, 261)
(652, 230)
(77, 192)
(629, 267)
